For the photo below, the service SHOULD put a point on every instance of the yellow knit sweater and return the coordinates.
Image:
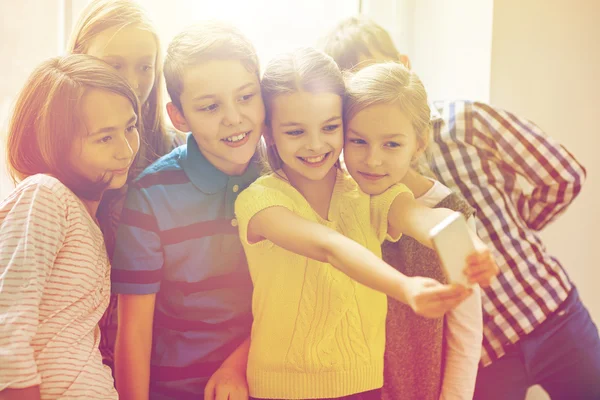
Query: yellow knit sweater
(316, 333)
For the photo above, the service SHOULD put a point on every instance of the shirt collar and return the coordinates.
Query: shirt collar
(205, 176)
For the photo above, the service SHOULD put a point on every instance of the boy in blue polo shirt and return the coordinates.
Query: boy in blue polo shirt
(179, 268)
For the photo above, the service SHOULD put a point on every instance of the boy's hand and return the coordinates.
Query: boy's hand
(481, 268)
(227, 383)
(429, 298)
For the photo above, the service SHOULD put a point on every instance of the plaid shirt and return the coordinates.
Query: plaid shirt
(480, 152)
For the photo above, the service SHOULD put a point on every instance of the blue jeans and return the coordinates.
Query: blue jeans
(562, 355)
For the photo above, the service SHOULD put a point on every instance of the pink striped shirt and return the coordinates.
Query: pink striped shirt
(54, 287)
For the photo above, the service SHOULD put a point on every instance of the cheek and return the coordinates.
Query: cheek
(256, 112)
(134, 143)
(398, 164)
(146, 85)
(352, 155)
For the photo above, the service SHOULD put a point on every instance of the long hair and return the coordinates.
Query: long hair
(47, 119)
(101, 15)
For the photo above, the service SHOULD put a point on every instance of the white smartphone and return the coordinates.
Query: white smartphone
(453, 243)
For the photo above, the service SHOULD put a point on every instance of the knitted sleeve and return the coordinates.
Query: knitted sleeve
(380, 208)
(257, 197)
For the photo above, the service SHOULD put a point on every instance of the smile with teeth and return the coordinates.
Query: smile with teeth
(236, 138)
(314, 159)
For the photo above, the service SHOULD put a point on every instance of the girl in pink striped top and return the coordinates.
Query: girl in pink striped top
(73, 135)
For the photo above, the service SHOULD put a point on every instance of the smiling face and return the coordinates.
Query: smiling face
(307, 130)
(380, 145)
(132, 51)
(107, 149)
(222, 106)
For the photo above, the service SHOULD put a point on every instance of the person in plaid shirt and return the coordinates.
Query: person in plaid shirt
(536, 329)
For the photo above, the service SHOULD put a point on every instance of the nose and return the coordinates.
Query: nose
(315, 142)
(131, 75)
(126, 148)
(232, 116)
(373, 158)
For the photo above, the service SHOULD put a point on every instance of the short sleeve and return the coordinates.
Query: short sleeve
(138, 257)
(255, 198)
(380, 208)
(33, 226)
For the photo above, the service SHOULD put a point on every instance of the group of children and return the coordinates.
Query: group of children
(315, 280)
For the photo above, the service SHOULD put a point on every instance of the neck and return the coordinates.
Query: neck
(224, 166)
(92, 207)
(417, 183)
(317, 193)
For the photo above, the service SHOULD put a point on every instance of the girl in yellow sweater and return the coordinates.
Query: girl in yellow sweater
(313, 243)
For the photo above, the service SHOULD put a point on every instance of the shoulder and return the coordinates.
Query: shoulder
(46, 189)
(165, 170)
(455, 111)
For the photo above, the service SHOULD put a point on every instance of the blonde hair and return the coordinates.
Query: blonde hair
(356, 36)
(47, 119)
(101, 15)
(391, 83)
(209, 40)
(302, 70)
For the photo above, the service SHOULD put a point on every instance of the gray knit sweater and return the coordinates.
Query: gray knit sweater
(414, 349)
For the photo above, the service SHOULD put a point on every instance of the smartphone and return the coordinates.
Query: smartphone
(453, 243)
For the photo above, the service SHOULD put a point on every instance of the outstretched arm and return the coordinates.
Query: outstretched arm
(310, 239)
(409, 217)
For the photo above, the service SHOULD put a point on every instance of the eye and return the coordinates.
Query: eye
(209, 108)
(331, 128)
(116, 66)
(147, 68)
(393, 145)
(105, 139)
(247, 97)
(294, 132)
(357, 141)
(131, 128)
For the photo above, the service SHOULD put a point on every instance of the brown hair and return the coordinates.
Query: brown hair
(47, 121)
(101, 15)
(391, 83)
(304, 69)
(209, 40)
(356, 36)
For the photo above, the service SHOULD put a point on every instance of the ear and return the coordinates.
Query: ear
(403, 58)
(177, 118)
(423, 142)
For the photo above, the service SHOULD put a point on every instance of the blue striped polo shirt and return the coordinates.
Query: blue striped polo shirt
(178, 238)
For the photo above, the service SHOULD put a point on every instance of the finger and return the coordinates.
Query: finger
(482, 277)
(222, 393)
(209, 390)
(446, 292)
(478, 256)
(239, 394)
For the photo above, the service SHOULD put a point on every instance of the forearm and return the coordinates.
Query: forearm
(464, 336)
(30, 393)
(133, 346)
(239, 358)
(363, 266)
(132, 365)
(415, 221)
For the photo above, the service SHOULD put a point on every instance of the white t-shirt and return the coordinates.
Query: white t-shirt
(464, 326)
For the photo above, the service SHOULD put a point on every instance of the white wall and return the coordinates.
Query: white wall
(449, 42)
